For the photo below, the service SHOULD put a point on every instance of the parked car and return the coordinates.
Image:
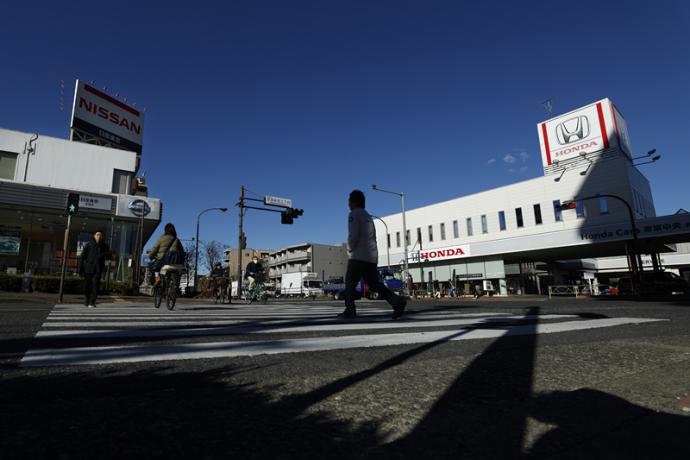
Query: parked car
(660, 283)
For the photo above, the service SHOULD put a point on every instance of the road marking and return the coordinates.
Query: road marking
(279, 328)
(141, 353)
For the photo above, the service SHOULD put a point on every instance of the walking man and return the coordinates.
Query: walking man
(363, 256)
(92, 266)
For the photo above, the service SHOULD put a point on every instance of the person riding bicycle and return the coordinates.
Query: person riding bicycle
(254, 272)
(168, 241)
(217, 276)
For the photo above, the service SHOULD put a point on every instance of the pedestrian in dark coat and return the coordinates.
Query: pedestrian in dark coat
(92, 266)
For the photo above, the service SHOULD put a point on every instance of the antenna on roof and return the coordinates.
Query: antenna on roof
(548, 106)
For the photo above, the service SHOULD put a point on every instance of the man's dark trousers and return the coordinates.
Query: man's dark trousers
(91, 285)
(356, 270)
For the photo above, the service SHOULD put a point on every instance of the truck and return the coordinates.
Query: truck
(304, 284)
(391, 277)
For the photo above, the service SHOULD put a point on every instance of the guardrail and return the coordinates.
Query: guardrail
(564, 290)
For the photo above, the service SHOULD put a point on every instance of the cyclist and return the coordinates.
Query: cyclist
(217, 277)
(168, 241)
(254, 272)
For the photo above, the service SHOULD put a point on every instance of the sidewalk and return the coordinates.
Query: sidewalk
(49, 298)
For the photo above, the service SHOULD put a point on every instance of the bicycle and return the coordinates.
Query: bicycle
(167, 285)
(258, 292)
(219, 288)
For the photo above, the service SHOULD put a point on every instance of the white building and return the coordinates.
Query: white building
(37, 173)
(505, 234)
(325, 260)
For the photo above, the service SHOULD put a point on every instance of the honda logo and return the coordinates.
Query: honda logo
(573, 130)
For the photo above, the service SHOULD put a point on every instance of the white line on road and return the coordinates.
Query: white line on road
(139, 353)
(276, 328)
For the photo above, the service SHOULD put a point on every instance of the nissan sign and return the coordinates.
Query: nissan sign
(107, 118)
(140, 208)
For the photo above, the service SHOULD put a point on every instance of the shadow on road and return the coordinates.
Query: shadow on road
(154, 412)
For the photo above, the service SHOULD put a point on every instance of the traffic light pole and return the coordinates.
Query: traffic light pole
(63, 266)
(241, 237)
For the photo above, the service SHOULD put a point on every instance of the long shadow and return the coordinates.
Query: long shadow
(483, 414)
(164, 413)
(593, 424)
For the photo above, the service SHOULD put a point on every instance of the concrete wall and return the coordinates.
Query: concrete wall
(65, 164)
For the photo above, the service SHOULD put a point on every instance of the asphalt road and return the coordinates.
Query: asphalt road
(454, 379)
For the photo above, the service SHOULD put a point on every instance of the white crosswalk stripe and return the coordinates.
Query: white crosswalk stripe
(118, 333)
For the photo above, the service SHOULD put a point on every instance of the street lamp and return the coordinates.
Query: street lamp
(196, 250)
(402, 200)
(388, 249)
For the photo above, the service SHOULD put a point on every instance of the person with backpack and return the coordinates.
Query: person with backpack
(160, 252)
(92, 266)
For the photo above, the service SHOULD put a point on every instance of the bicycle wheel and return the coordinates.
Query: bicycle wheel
(172, 292)
(157, 296)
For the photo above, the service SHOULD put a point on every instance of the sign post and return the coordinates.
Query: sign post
(72, 208)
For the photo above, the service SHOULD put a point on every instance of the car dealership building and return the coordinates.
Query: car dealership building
(37, 173)
(519, 239)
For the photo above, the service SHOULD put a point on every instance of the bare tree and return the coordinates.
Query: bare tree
(213, 252)
(190, 254)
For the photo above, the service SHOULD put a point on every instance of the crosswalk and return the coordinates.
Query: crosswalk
(125, 333)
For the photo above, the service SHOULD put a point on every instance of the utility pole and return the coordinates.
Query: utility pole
(239, 246)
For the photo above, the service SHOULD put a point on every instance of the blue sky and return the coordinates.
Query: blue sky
(310, 99)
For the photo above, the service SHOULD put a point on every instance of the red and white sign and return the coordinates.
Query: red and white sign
(430, 255)
(588, 129)
(103, 116)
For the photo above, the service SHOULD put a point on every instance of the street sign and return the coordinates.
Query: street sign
(72, 203)
(277, 201)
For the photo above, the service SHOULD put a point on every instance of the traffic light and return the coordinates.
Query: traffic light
(287, 216)
(72, 203)
(567, 205)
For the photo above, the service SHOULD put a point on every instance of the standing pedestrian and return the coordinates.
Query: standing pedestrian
(363, 257)
(92, 266)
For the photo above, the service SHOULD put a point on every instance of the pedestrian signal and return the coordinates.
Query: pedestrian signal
(72, 203)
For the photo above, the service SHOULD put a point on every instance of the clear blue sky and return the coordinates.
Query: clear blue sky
(309, 100)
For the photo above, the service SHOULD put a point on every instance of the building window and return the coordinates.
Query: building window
(122, 181)
(443, 231)
(397, 239)
(603, 205)
(8, 164)
(407, 237)
(518, 217)
(431, 233)
(469, 226)
(388, 237)
(580, 208)
(419, 235)
(537, 214)
(485, 227)
(557, 213)
(456, 230)
(502, 220)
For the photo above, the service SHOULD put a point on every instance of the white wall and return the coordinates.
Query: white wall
(65, 164)
(608, 175)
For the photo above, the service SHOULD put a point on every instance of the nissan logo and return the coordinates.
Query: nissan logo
(139, 208)
(572, 130)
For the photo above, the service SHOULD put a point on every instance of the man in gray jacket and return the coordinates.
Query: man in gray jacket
(363, 256)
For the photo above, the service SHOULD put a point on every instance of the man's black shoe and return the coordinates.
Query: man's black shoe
(347, 314)
(399, 308)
